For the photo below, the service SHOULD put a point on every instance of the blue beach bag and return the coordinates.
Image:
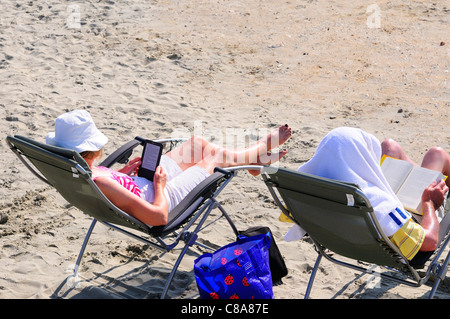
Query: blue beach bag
(239, 270)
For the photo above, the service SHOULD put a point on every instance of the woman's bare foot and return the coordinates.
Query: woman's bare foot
(272, 140)
(277, 137)
(268, 159)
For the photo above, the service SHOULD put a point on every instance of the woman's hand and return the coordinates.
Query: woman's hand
(160, 178)
(159, 183)
(132, 167)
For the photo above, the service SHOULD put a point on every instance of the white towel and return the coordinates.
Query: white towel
(352, 155)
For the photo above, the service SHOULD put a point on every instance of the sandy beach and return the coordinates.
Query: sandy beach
(157, 69)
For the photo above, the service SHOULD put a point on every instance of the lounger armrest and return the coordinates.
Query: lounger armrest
(225, 172)
(123, 153)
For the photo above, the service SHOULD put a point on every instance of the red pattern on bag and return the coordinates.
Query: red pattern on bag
(214, 295)
(229, 280)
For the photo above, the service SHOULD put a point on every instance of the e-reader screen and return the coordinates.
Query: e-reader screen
(151, 155)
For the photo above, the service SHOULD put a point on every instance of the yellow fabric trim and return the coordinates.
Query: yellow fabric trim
(285, 219)
(409, 239)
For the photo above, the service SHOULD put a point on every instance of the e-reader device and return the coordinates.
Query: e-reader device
(151, 155)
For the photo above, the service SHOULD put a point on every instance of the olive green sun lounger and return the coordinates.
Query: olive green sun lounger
(340, 220)
(69, 174)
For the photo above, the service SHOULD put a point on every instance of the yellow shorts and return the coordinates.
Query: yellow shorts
(409, 238)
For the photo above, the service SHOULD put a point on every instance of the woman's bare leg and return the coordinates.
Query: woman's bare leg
(210, 162)
(198, 151)
(190, 152)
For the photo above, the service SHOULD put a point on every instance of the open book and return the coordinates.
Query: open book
(408, 181)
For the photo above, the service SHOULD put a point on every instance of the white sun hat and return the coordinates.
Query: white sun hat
(76, 130)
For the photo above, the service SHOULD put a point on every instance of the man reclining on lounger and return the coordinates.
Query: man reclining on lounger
(177, 174)
(352, 155)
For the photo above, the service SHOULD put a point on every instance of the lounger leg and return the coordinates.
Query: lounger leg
(174, 270)
(189, 240)
(440, 276)
(228, 218)
(83, 247)
(313, 275)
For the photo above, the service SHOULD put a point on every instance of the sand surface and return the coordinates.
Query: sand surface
(161, 68)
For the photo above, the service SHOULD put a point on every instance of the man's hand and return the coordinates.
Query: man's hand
(435, 193)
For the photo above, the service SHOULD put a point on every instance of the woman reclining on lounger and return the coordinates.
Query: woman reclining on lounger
(176, 175)
(352, 155)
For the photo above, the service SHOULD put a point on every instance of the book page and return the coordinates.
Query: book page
(411, 191)
(395, 171)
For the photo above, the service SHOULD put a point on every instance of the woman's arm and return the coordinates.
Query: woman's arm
(151, 214)
(159, 183)
(432, 198)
